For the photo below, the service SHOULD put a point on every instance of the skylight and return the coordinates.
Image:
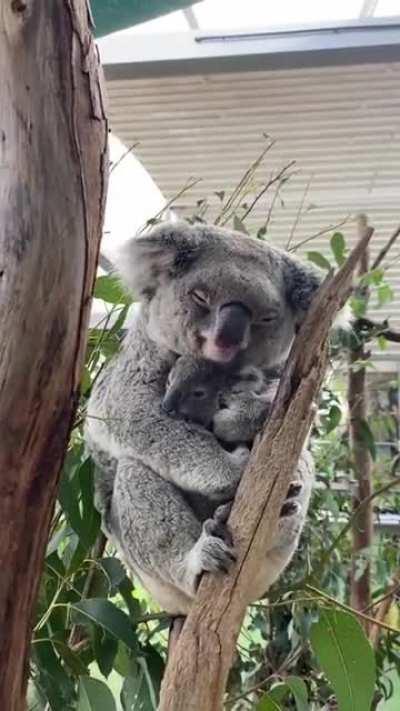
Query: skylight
(216, 15)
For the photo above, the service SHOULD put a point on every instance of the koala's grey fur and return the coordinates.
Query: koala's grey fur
(233, 403)
(163, 480)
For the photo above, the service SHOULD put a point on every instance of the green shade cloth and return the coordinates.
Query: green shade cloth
(112, 15)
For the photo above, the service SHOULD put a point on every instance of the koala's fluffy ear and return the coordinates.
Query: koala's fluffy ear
(145, 262)
(301, 282)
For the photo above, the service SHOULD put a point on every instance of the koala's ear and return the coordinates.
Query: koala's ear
(145, 262)
(301, 282)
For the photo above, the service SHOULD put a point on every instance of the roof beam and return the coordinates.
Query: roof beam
(199, 53)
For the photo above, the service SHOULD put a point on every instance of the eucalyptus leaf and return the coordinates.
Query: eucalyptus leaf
(345, 656)
(94, 695)
(319, 259)
(267, 703)
(109, 289)
(107, 615)
(338, 247)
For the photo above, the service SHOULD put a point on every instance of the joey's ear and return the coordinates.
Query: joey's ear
(145, 262)
(301, 282)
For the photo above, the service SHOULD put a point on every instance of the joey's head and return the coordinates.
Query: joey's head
(192, 390)
(217, 294)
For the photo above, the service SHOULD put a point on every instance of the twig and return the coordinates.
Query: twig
(121, 158)
(389, 244)
(189, 185)
(331, 228)
(347, 608)
(243, 182)
(267, 185)
(299, 211)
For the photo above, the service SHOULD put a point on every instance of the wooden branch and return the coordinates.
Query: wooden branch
(197, 670)
(53, 178)
(362, 522)
(386, 248)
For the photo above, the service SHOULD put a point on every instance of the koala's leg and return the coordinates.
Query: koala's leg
(161, 538)
(290, 526)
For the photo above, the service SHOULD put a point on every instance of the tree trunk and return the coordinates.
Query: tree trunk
(201, 657)
(362, 528)
(53, 168)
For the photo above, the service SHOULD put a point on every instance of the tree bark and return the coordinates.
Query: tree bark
(53, 178)
(362, 528)
(198, 666)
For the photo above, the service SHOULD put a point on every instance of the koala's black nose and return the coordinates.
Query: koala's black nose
(233, 322)
(170, 403)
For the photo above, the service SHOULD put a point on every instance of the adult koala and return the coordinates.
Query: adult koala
(228, 298)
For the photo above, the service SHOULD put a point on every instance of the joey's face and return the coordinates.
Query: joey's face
(192, 394)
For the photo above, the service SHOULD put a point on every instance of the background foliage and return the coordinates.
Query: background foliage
(99, 643)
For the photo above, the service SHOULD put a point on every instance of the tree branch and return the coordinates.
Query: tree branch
(198, 667)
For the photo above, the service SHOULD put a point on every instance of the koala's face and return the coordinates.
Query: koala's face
(192, 390)
(217, 294)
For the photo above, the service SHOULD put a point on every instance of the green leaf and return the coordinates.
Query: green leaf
(319, 259)
(367, 437)
(346, 658)
(385, 294)
(94, 695)
(338, 247)
(111, 618)
(267, 703)
(299, 691)
(358, 306)
(238, 225)
(109, 289)
(382, 343)
(105, 649)
(334, 417)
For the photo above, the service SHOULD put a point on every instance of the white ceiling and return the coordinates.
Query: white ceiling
(340, 124)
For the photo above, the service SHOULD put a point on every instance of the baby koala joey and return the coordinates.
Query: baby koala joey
(233, 403)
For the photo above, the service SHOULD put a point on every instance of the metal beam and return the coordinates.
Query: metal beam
(199, 53)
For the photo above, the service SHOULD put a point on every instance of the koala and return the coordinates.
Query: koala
(164, 484)
(232, 403)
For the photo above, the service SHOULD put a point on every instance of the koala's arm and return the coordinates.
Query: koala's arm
(125, 418)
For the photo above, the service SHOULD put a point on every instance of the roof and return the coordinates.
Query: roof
(339, 122)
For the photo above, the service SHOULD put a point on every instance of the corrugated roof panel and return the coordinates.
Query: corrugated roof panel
(340, 124)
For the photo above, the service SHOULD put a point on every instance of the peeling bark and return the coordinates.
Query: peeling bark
(53, 177)
(201, 657)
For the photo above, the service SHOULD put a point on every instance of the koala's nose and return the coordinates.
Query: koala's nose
(170, 403)
(233, 322)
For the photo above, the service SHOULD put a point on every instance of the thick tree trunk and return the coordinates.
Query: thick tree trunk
(362, 529)
(200, 658)
(53, 176)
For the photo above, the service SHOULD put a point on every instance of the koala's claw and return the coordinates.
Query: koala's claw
(290, 508)
(222, 513)
(295, 489)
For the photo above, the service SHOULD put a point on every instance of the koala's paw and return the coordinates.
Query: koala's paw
(291, 515)
(225, 425)
(240, 456)
(214, 551)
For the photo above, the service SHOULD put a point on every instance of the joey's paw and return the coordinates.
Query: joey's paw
(225, 425)
(240, 456)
